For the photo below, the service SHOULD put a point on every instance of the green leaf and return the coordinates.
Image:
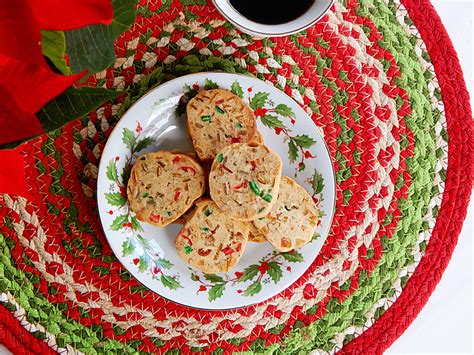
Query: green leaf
(128, 246)
(292, 151)
(249, 273)
(209, 84)
(274, 271)
(253, 289)
(143, 263)
(258, 100)
(92, 47)
(53, 45)
(272, 121)
(112, 171)
(128, 137)
(213, 278)
(73, 103)
(293, 256)
(304, 141)
(118, 222)
(216, 291)
(126, 174)
(115, 199)
(236, 89)
(136, 224)
(317, 182)
(143, 143)
(170, 282)
(163, 263)
(284, 110)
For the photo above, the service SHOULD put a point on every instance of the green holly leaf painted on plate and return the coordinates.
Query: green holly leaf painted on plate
(293, 256)
(170, 282)
(213, 278)
(253, 289)
(236, 89)
(304, 141)
(317, 182)
(128, 246)
(272, 121)
(119, 222)
(126, 174)
(209, 84)
(216, 291)
(163, 263)
(136, 224)
(292, 151)
(142, 144)
(128, 137)
(284, 110)
(143, 263)
(274, 271)
(258, 100)
(92, 47)
(115, 199)
(111, 171)
(249, 273)
(53, 46)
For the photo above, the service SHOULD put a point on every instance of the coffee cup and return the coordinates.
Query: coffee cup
(276, 20)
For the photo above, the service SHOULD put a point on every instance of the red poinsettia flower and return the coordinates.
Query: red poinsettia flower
(26, 80)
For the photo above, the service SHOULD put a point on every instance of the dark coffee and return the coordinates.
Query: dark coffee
(271, 12)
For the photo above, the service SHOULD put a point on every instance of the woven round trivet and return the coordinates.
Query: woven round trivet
(381, 80)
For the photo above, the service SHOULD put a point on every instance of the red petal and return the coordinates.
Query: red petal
(20, 35)
(15, 123)
(71, 14)
(32, 85)
(12, 172)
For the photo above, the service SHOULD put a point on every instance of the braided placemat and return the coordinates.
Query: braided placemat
(381, 80)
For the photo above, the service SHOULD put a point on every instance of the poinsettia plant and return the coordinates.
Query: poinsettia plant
(46, 46)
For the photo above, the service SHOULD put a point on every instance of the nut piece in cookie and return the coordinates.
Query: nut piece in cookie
(217, 118)
(245, 179)
(163, 186)
(210, 241)
(292, 220)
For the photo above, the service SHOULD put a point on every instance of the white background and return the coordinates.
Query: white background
(445, 323)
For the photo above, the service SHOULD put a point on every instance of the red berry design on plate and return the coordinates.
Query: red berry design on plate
(238, 274)
(117, 158)
(139, 128)
(278, 130)
(307, 154)
(239, 291)
(111, 212)
(292, 120)
(136, 261)
(202, 288)
(249, 89)
(263, 268)
(195, 87)
(288, 268)
(260, 112)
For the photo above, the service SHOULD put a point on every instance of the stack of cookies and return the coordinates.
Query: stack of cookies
(248, 198)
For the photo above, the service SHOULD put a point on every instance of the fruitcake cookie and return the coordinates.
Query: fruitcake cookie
(210, 241)
(255, 235)
(163, 186)
(292, 220)
(245, 179)
(217, 118)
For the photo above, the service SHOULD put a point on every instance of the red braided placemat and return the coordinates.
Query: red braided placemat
(381, 80)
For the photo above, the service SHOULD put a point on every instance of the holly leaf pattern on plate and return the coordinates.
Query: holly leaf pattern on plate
(236, 89)
(253, 289)
(128, 246)
(111, 171)
(129, 139)
(118, 222)
(170, 282)
(303, 141)
(259, 100)
(272, 121)
(249, 273)
(293, 256)
(216, 291)
(143, 143)
(284, 110)
(209, 84)
(213, 278)
(317, 182)
(115, 199)
(274, 271)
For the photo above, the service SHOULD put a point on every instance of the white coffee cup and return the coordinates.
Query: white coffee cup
(317, 10)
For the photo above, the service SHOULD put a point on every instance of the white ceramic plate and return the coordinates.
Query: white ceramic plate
(148, 253)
